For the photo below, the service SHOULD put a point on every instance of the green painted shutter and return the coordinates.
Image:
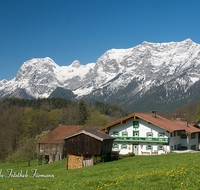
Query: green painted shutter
(146, 147)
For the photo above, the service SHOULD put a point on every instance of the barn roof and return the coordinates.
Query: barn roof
(159, 121)
(59, 132)
(93, 132)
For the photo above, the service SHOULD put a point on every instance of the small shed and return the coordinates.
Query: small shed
(84, 144)
(51, 146)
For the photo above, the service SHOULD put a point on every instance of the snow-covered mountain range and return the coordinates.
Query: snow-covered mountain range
(129, 77)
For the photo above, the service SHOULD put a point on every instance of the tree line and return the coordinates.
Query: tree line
(189, 112)
(22, 121)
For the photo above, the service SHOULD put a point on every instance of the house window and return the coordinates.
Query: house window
(124, 133)
(171, 148)
(178, 133)
(184, 136)
(115, 145)
(116, 133)
(135, 124)
(149, 134)
(174, 134)
(161, 134)
(136, 133)
(171, 134)
(193, 135)
(148, 147)
(174, 147)
(160, 147)
(124, 146)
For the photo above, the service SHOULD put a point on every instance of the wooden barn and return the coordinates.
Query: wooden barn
(87, 142)
(51, 146)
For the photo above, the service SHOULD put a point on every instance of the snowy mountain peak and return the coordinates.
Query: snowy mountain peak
(36, 65)
(76, 64)
(123, 74)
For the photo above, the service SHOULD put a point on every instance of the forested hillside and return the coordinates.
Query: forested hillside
(189, 112)
(22, 120)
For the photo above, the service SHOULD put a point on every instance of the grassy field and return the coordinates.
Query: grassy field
(171, 171)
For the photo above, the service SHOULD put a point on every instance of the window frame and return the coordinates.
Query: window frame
(135, 124)
(150, 133)
(160, 147)
(193, 135)
(123, 145)
(114, 146)
(149, 147)
(174, 134)
(183, 136)
(115, 132)
(124, 132)
(161, 134)
(135, 132)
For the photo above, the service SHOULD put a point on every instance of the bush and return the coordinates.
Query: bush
(97, 159)
(128, 155)
(131, 154)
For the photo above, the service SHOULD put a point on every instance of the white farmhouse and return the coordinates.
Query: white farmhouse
(144, 133)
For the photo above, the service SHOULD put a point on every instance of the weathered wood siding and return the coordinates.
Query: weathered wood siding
(83, 145)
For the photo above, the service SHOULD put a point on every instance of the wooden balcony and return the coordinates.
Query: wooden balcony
(142, 139)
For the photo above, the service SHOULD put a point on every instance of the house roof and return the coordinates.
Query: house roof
(159, 121)
(93, 132)
(190, 128)
(59, 132)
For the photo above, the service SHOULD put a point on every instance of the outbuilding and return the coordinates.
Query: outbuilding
(82, 145)
(51, 146)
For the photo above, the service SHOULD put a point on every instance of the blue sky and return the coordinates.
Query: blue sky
(68, 30)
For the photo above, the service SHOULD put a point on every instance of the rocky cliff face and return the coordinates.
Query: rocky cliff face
(163, 72)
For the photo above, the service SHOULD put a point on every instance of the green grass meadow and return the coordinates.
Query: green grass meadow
(171, 171)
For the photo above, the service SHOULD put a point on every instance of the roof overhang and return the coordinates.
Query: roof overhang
(83, 132)
(135, 116)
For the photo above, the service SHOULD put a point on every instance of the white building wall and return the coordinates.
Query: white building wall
(175, 141)
(193, 141)
(144, 127)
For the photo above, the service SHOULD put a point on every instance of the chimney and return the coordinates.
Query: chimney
(186, 123)
(153, 113)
